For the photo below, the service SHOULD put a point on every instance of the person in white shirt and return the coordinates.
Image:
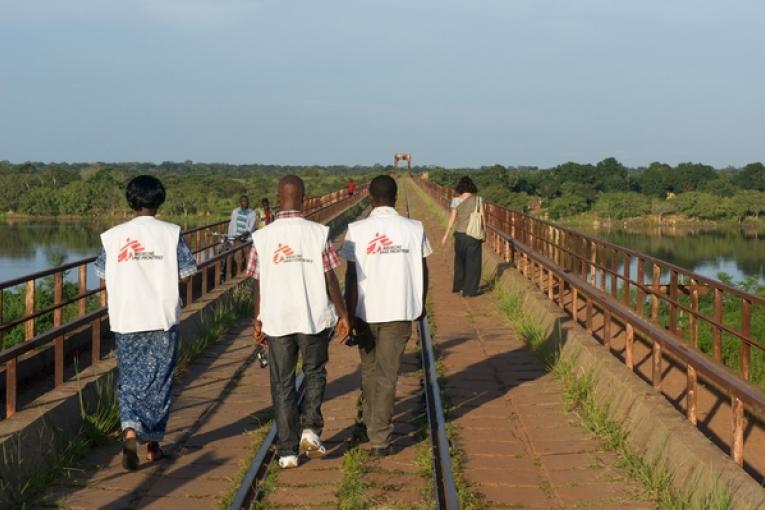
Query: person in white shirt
(386, 283)
(297, 301)
(243, 221)
(141, 262)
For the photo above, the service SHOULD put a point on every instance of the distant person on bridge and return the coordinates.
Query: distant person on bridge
(351, 186)
(297, 301)
(244, 220)
(265, 216)
(385, 288)
(141, 262)
(467, 248)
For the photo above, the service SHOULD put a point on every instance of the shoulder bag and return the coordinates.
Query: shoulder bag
(475, 225)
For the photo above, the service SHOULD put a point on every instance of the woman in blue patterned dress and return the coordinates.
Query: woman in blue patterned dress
(141, 262)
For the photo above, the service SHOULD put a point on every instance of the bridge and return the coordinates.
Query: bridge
(585, 375)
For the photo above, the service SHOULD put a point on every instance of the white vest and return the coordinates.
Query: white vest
(142, 275)
(292, 284)
(387, 249)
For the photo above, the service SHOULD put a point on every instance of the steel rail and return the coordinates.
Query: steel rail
(445, 486)
(251, 489)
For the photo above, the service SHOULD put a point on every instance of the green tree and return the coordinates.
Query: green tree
(619, 205)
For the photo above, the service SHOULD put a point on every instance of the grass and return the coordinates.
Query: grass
(100, 419)
(352, 492)
(225, 501)
(653, 474)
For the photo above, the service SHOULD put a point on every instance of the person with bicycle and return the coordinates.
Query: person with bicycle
(243, 222)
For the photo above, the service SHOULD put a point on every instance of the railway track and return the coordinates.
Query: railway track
(444, 486)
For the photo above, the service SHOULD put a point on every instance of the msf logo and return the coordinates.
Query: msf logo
(282, 252)
(378, 244)
(130, 250)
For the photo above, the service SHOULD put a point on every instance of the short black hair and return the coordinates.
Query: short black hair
(145, 192)
(383, 188)
(466, 185)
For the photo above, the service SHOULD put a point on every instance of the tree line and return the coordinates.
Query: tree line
(610, 190)
(193, 189)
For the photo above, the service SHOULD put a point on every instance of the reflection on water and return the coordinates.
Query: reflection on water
(738, 253)
(27, 247)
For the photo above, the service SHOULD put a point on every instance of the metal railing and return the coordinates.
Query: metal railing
(662, 304)
(70, 307)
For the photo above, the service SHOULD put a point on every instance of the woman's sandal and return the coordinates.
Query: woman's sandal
(129, 452)
(154, 452)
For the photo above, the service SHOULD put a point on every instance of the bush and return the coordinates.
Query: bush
(619, 206)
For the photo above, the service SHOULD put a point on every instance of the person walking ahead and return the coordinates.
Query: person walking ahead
(141, 262)
(292, 263)
(385, 288)
(467, 250)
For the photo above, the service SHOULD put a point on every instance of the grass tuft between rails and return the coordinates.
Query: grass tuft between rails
(352, 494)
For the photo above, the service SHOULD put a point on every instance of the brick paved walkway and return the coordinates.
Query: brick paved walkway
(521, 449)
(221, 400)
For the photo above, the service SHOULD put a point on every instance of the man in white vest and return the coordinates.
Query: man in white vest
(141, 261)
(297, 302)
(385, 288)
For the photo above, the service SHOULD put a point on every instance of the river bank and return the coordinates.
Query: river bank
(676, 224)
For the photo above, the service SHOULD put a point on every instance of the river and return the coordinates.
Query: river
(30, 246)
(26, 247)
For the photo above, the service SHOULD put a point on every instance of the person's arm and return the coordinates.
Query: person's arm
(452, 219)
(257, 324)
(351, 293)
(187, 264)
(333, 290)
(253, 271)
(232, 224)
(425, 284)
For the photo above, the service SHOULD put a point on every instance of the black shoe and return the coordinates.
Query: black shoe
(359, 435)
(379, 453)
(130, 453)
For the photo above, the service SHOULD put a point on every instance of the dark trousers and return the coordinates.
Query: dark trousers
(467, 264)
(291, 419)
(380, 346)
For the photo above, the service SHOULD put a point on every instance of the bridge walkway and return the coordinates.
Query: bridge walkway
(518, 447)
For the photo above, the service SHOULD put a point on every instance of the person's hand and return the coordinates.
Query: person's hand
(343, 328)
(257, 333)
(444, 239)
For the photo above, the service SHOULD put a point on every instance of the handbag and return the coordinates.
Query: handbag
(475, 225)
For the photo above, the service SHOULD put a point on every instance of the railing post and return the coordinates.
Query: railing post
(737, 439)
(629, 346)
(692, 319)
(656, 375)
(95, 341)
(626, 271)
(692, 388)
(58, 358)
(82, 288)
(607, 329)
(29, 309)
(716, 331)
(11, 382)
(746, 332)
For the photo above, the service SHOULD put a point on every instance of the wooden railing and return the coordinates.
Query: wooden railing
(71, 306)
(667, 306)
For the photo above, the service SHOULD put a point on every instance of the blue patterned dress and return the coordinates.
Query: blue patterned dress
(145, 364)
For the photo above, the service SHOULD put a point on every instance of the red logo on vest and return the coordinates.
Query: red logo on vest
(378, 244)
(282, 252)
(129, 251)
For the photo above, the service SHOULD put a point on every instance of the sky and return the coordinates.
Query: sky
(454, 82)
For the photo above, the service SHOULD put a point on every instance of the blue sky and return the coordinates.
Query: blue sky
(457, 83)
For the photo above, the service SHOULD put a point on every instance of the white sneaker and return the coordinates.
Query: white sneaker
(310, 444)
(288, 462)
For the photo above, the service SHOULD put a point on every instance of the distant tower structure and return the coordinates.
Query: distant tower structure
(402, 156)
